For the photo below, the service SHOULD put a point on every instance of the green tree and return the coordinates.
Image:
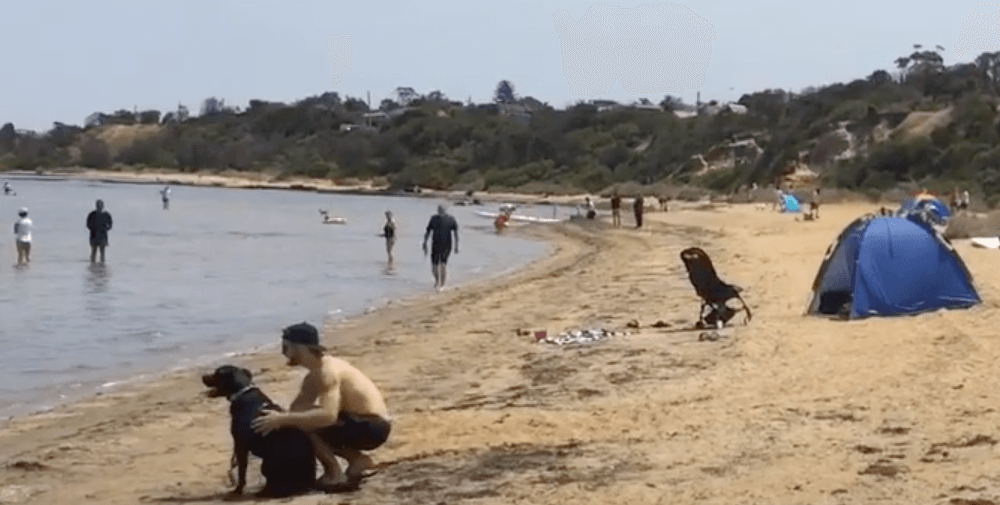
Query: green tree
(8, 137)
(504, 92)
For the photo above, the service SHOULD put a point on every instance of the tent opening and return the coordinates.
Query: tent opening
(835, 302)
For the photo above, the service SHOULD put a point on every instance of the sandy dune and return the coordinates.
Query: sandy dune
(789, 409)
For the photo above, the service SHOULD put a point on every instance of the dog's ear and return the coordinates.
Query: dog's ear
(249, 375)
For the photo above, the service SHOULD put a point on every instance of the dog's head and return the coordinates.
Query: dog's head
(227, 380)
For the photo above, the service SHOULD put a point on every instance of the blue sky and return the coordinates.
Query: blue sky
(66, 59)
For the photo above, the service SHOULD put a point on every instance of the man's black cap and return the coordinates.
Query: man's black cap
(302, 333)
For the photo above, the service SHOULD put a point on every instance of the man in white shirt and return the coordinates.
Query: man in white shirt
(22, 229)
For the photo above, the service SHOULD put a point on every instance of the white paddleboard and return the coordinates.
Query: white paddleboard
(986, 242)
(523, 219)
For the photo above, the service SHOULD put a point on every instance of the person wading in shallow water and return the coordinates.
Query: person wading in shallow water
(99, 224)
(442, 226)
(22, 231)
(389, 232)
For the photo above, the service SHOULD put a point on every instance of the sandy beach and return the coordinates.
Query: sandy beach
(788, 409)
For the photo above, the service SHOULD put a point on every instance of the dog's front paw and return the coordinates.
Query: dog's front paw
(235, 494)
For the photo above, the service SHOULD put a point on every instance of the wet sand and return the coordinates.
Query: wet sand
(788, 409)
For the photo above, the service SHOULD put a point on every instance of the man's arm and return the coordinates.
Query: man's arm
(109, 221)
(427, 234)
(304, 401)
(455, 231)
(317, 417)
(311, 418)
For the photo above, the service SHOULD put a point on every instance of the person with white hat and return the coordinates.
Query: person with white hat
(22, 230)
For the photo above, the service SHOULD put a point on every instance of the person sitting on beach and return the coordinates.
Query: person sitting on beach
(389, 232)
(6, 188)
(337, 405)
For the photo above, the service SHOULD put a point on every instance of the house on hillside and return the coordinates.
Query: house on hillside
(646, 106)
(518, 112)
(605, 105)
(711, 109)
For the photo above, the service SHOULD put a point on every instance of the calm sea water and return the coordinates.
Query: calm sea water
(221, 271)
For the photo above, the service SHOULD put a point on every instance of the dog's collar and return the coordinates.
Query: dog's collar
(241, 392)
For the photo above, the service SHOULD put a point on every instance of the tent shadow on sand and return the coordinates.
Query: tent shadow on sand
(890, 265)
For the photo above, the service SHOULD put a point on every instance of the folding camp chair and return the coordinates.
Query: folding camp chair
(714, 293)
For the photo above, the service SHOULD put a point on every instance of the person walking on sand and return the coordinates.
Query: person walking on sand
(591, 210)
(165, 195)
(338, 406)
(389, 232)
(616, 210)
(814, 205)
(637, 207)
(99, 224)
(442, 226)
(22, 232)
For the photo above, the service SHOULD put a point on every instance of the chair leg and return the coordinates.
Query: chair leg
(746, 308)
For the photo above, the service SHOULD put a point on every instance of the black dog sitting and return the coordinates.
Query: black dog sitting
(288, 462)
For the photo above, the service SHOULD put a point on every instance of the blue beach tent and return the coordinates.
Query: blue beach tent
(887, 266)
(789, 203)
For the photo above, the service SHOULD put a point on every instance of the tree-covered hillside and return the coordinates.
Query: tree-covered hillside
(922, 122)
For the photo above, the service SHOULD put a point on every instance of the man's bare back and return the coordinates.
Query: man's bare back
(339, 387)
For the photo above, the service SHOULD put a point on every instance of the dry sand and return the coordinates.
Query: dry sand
(788, 409)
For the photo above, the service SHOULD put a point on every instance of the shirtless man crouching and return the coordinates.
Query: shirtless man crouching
(341, 409)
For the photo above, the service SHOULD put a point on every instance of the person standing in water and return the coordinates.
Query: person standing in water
(389, 232)
(165, 195)
(442, 226)
(99, 224)
(22, 230)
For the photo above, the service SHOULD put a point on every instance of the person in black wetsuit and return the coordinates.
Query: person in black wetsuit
(389, 232)
(442, 225)
(99, 223)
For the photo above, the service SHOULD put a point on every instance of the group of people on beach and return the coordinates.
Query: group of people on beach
(960, 201)
(99, 223)
(638, 206)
